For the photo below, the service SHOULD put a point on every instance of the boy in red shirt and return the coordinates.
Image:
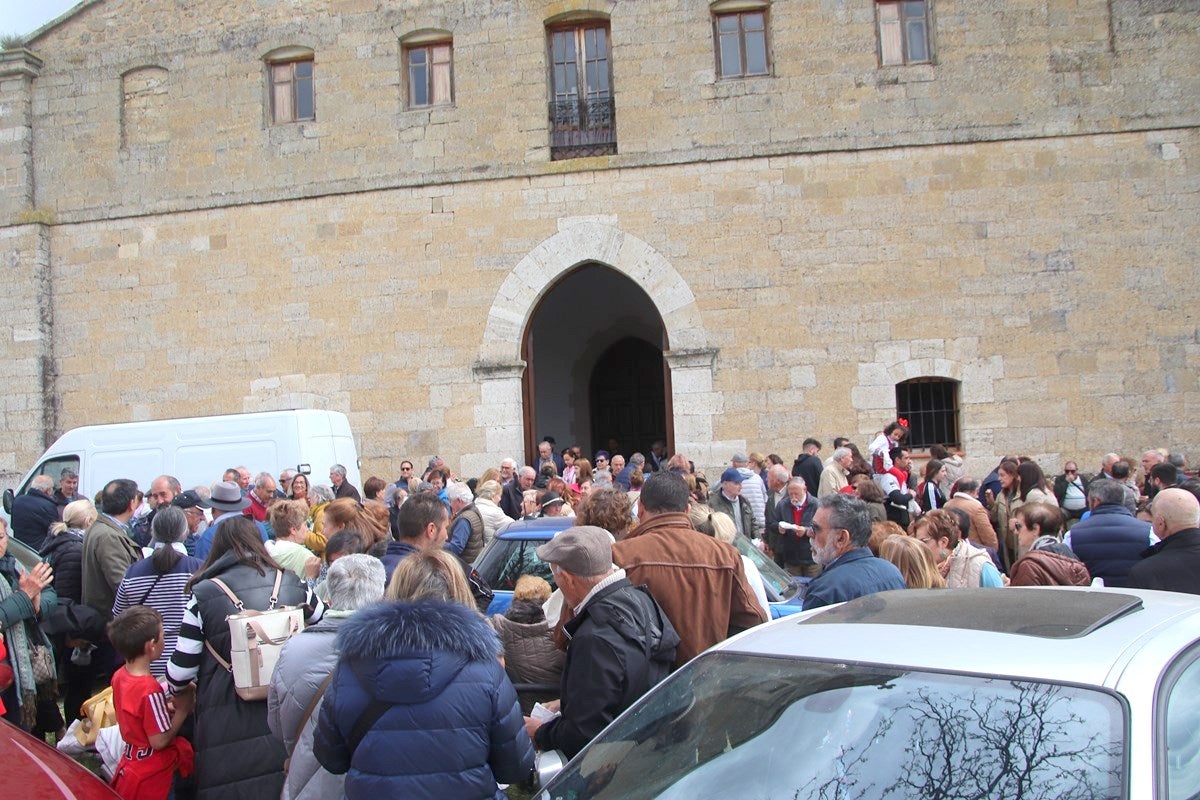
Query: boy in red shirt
(149, 721)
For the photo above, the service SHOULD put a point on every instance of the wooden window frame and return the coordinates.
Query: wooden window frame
(275, 69)
(901, 22)
(592, 140)
(429, 48)
(740, 16)
(937, 412)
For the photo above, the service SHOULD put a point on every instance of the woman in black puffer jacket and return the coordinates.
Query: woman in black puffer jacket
(63, 549)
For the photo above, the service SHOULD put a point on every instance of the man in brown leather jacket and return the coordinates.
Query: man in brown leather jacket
(699, 582)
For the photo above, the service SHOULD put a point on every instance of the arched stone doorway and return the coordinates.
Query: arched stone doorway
(593, 349)
(501, 365)
(576, 386)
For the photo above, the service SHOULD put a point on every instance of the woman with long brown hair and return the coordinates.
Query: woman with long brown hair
(1003, 506)
(236, 755)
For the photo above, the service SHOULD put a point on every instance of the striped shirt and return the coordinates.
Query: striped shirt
(189, 650)
(142, 585)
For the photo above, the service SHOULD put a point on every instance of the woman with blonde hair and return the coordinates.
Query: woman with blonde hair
(719, 525)
(63, 548)
(444, 717)
(914, 561)
(530, 655)
(430, 574)
(487, 503)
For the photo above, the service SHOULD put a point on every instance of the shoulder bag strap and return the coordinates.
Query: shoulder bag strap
(308, 712)
(366, 720)
(238, 604)
(151, 589)
(229, 593)
(275, 590)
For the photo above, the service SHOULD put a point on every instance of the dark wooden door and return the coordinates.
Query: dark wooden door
(628, 396)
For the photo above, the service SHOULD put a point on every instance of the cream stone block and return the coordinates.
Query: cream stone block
(873, 398)
(928, 348)
(892, 352)
(688, 381)
(803, 377)
(874, 374)
(439, 397)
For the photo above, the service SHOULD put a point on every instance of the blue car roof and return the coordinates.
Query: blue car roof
(542, 528)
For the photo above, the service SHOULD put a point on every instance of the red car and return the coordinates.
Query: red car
(35, 769)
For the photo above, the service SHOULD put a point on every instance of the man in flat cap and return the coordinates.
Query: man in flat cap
(621, 642)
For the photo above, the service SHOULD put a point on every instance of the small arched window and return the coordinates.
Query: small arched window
(290, 85)
(930, 406)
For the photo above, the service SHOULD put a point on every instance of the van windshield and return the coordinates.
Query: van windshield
(54, 468)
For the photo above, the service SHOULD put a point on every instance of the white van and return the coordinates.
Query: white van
(197, 450)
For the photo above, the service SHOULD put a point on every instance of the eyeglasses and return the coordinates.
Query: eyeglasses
(406, 469)
(1070, 471)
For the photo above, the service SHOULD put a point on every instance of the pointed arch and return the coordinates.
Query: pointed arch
(599, 240)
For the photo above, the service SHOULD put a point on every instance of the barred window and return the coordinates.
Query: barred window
(582, 109)
(930, 406)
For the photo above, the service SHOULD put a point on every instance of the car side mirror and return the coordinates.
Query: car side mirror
(547, 764)
(8, 501)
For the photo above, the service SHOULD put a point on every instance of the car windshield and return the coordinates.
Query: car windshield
(506, 560)
(780, 586)
(735, 725)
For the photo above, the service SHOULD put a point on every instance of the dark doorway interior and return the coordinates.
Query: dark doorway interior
(627, 396)
(595, 335)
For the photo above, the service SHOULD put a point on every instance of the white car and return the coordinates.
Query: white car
(1034, 693)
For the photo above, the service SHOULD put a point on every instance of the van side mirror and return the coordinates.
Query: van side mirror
(8, 501)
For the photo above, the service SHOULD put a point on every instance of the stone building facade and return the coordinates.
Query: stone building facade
(1016, 218)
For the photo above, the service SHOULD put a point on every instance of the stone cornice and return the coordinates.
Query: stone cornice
(19, 62)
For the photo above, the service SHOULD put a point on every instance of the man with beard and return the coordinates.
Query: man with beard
(839, 534)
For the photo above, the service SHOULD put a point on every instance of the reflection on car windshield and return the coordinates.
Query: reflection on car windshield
(744, 726)
(507, 560)
(780, 586)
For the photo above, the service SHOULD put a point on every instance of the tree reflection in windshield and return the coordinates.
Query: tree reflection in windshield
(755, 727)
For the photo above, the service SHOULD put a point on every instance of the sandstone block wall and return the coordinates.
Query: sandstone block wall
(1020, 216)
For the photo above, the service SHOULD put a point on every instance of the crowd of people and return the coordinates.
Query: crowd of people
(398, 682)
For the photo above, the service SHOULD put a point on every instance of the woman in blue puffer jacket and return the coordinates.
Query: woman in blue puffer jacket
(419, 705)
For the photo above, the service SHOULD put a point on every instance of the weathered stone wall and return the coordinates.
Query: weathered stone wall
(29, 397)
(1005, 69)
(1054, 279)
(1020, 216)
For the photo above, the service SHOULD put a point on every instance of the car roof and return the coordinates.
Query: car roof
(540, 528)
(1077, 634)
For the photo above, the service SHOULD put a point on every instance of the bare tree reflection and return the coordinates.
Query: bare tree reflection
(1024, 745)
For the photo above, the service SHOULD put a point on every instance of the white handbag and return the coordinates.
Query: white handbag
(255, 641)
